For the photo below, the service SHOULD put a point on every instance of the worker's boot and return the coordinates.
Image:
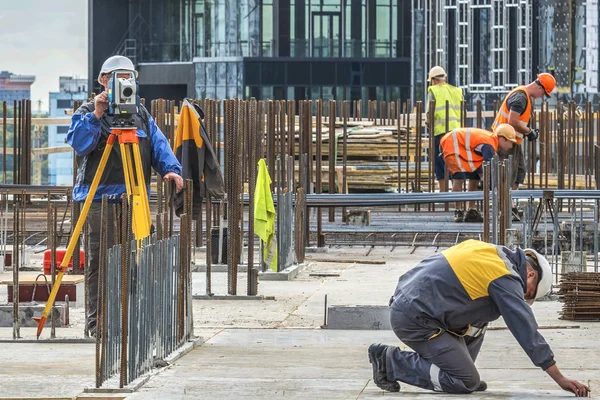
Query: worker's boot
(459, 215)
(377, 359)
(482, 387)
(473, 215)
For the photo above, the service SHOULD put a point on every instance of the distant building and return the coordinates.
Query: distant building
(15, 87)
(348, 50)
(280, 50)
(60, 165)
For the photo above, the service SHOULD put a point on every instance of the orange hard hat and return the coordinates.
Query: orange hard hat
(546, 81)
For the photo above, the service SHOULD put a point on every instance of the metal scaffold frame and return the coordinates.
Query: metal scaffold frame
(591, 45)
(524, 42)
(438, 37)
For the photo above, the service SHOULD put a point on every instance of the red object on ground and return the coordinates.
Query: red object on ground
(60, 254)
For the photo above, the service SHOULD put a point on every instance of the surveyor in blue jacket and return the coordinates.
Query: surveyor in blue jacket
(88, 133)
(441, 309)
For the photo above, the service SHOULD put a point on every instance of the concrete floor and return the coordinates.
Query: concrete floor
(264, 349)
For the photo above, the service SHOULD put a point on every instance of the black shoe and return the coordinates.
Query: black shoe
(377, 359)
(473, 215)
(482, 387)
(459, 215)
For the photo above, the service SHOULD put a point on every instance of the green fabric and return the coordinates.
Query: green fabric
(264, 216)
(446, 92)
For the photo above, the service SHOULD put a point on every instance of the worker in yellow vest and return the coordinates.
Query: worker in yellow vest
(464, 150)
(441, 91)
(516, 110)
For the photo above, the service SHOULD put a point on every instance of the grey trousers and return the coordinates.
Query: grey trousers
(445, 363)
(94, 226)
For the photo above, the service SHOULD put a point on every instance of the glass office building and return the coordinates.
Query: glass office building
(348, 49)
(276, 49)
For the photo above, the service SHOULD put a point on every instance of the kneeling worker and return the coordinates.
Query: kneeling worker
(464, 151)
(441, 309)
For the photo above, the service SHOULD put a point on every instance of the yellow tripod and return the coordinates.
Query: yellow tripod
(136, 191)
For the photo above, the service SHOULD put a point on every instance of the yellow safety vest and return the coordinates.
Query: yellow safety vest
(454, 97)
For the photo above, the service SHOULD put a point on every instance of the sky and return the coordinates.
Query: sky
(45, 38)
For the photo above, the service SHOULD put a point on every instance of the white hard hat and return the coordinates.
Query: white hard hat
(436, 72)
(544, 274)
(114, 63)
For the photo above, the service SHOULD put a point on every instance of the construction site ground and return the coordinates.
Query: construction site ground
(276, 347)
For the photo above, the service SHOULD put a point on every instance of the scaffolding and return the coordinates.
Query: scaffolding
(486, 46)
(591, 45)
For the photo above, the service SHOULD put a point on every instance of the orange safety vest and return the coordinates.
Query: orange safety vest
(503, 113)
(461, 144)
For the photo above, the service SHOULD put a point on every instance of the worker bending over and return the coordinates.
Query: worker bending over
(464, 151)
(441, 309)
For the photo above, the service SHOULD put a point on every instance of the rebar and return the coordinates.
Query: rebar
(187, 265)
(419, 138)
(4, 140)
(252, 283)
(101, 316)
(331, 161)
(229, 178)
(345, 116)
(580, 293)
(486, 202)
(16, 131)
(52, 234)
(300, 215)
(126, 217)
(319, 166)
(596, 236)
(239, 184)
(15, 266)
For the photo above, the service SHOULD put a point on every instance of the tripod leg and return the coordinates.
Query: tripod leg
(136, 190)
(139, 169)
(76, 232)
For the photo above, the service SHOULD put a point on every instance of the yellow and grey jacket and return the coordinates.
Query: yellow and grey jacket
(469, 285)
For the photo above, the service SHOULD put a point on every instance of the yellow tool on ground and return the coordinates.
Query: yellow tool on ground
(136, 191)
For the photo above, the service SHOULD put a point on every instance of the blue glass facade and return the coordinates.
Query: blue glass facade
(278, 49)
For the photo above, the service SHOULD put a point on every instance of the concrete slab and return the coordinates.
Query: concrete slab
(45, 371)
(328, 364)
(266, 349)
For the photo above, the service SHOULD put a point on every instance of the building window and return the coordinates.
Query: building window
(62, 130)
(327, 32)
(481, 44)
(267, 27)
(199, 35)
(64, 103)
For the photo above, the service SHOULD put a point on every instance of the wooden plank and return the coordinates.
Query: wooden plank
(29, 279)
(345, 260)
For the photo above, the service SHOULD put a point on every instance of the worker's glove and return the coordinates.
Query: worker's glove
(533, 135)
